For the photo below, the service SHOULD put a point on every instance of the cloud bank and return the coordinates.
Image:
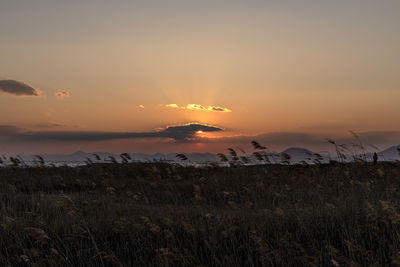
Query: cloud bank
(48, 125)
(188, 133)
(184, 133)
(17, 88)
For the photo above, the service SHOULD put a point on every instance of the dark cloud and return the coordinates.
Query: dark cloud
(48, 125)
(179, 133)
(17, 88)
(216, 108)
(9, 130)
(185, 132)
(221, 109)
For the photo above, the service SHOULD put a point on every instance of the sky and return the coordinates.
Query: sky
(197, 76)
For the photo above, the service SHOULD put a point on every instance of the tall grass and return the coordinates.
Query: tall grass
(154, 214)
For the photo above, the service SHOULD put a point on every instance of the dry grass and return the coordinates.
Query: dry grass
(163, 215)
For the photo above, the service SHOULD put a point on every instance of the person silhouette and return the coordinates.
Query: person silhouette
(375, 158)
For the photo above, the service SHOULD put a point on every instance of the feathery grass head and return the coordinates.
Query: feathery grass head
(258, 156)
(39, 160)
(182, 157)
(88, 161)
(285, 158)
(331, 141)
(244, 159)
(125, 157)
(257, 145)
(15, 162)
(233, 153)
(96, 156)
(222, 157)
(112, 159)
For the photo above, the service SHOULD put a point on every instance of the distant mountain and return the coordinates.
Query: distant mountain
(391, 153)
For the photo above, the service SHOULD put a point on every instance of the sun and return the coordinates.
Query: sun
(199, 132)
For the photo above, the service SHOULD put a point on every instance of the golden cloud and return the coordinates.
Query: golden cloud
(199, 107)
(195, 107)
(61, 94)
(172, 106)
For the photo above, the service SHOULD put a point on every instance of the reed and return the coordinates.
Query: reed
(158, 214)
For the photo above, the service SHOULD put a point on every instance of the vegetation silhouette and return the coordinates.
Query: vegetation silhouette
(262, 211)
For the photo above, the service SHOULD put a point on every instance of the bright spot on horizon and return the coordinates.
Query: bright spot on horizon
(199, 132)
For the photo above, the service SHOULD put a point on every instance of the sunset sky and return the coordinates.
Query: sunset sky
(197, 76)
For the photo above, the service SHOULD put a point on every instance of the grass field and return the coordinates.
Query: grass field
(153, 214)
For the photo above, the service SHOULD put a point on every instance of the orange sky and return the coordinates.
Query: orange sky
(315, 67)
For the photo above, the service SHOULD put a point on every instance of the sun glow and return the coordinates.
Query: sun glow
(199, 132)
